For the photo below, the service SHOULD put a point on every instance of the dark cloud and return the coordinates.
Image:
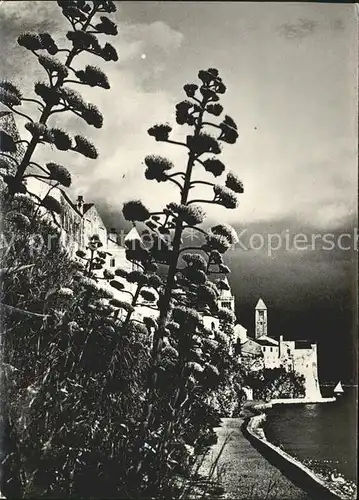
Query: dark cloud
(310, 294)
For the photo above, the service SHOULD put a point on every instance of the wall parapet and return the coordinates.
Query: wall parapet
(298, 473)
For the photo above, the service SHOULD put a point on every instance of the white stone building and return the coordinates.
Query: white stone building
(267, 352)
(263, 351)
(226, 298)
(225, 301)
(78, 222)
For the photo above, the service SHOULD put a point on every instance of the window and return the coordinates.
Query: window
(237, 347)
(112, 262)
(227, 304)
(271, 349)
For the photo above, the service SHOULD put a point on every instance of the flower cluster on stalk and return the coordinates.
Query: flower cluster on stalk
(57, 94)
(192, 292)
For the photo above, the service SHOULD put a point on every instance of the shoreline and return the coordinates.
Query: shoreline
(262, 406)
(320, 483)
(302, 401)
(242, 470)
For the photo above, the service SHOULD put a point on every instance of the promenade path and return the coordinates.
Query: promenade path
(244, 472)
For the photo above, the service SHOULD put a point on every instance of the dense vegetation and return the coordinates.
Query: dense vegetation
(274, 383)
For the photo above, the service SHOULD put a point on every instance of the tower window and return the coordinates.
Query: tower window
(112, 262)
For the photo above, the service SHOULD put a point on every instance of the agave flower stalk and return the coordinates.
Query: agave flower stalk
(56, 96)
(176, 218)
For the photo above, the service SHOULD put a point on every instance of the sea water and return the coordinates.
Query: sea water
(323, 435)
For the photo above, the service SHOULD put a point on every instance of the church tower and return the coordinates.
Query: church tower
(260, 319)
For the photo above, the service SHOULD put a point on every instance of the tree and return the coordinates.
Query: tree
(269, 383)
(57, 95)
(187, 292)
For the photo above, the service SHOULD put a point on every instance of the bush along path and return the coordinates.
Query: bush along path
(95, 402)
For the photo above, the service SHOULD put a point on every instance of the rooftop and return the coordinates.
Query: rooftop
(132, 235)
(225, 294)
(267, 341)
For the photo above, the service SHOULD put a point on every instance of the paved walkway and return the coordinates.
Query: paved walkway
(244, 472)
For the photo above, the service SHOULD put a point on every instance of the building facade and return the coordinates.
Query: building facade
(9, 128)
(260, 319)
(226, 297)
(78, 222)
(71, 221)
(263, 351)
(301, 357)
(224, 301)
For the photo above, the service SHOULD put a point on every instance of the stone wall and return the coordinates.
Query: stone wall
(305, 363)
(302, 360)
(93, 224)
(72, 227)
(271, 356)
(315, 486)
(8, 125)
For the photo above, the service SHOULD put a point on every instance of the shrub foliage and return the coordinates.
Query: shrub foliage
(99, 401)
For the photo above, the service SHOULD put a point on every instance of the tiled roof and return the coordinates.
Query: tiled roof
(264, 340)
(267, 341)
(270, 339)
(225, 294)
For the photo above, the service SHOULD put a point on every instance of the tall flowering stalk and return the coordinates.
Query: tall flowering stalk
(57, 95)
(187, 290)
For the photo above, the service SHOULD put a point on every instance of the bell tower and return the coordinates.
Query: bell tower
(260, 319)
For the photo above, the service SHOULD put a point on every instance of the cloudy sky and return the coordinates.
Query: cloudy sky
(291, 75)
